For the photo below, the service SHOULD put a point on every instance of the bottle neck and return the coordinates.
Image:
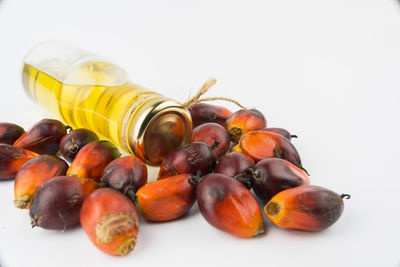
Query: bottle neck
(155, 125)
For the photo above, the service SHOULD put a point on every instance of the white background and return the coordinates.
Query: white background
(329, 71)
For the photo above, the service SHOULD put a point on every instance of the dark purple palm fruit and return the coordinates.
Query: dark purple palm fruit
(126, 174)
(57, 203)
(272, 175)
(203, 113)
(43, 138)
(189, 159)
(10, 132)
(71, 143)
(235, 165)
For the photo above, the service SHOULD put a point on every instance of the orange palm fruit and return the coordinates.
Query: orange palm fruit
(33, 174)
(203, 113)
(111, 221)
(306, 207)
(229, 206)
(11, 159)
(262, 144)
(92, 159)
(166, 199)
(244, 120)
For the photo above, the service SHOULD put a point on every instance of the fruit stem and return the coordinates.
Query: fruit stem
(293, 136)
(302, 168)
(215, 144)
(256, 173)
(345, 196)
(195, 178)
(34, 221)
(244, 179)
(131, 194)
(69, 129)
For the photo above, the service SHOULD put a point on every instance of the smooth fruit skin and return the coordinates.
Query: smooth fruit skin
(166, 199)
(92, 159)
(285, 133)
(209, 133)
(11, 159)
(260, 145)
(71, 143)
(244, 120)
(126, 174)
(272, 175)
(33, 174)
(57, 203)
(306, 207)
(43, 138)
(10, 132)
(203, 113)
(233, 163)
(189, 159)
(111, 221)
(229, 206)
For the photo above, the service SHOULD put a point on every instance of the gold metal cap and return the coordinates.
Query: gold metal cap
(158, 127)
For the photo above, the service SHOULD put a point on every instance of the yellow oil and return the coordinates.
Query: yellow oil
(92, 96)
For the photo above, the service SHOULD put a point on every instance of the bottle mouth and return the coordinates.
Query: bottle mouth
(158, 127)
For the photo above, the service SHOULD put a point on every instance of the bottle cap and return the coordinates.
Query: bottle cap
(154, 126)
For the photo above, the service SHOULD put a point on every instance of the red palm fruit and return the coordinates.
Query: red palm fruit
(92, 159)
(236, 165)
(203, 113)
(270, 176)
(33, 174)
(190, 159)
(229, 206)
(281, 131)
(11, 159)
(126, 174)
(9, 132)
(244, 120)
(57, 203)
(306, 207)
(43, 138)
(166, 199)
(111, 221)
(209, 133)
(261, 145)
(71, 143)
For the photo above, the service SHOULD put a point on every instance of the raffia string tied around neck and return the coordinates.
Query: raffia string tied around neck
(203, 89)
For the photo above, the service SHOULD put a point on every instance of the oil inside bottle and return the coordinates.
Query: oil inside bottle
(87, 91)
(91, 94)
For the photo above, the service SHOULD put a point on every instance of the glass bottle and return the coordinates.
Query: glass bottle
(87, 91)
